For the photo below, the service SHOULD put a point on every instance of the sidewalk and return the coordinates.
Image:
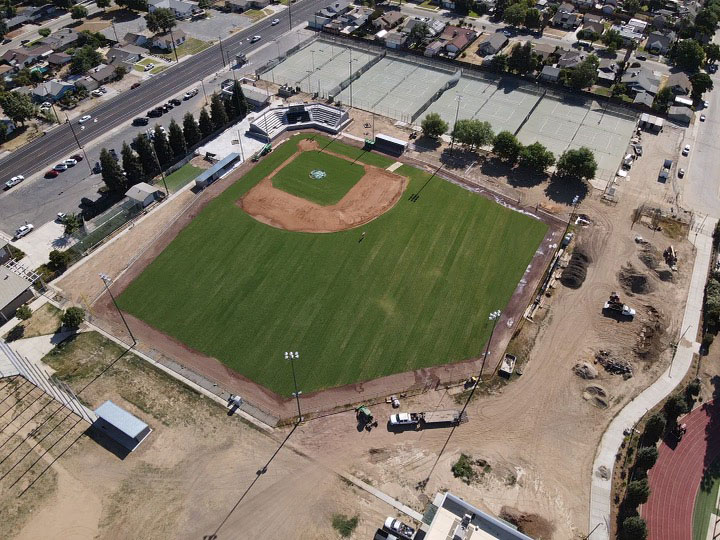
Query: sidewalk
(601, 487)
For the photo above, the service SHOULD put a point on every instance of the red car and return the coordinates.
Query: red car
(134, 86)
(77, 157)
(52, 173)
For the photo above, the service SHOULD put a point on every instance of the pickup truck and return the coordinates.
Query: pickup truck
(450, 417)
(397, 527)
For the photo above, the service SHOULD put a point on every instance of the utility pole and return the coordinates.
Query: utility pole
(173, 46)
(106, 279)
(222, 52)
(351, 81)
(458, 98)
(67, 120)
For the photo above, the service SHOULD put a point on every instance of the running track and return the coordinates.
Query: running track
(675, 478)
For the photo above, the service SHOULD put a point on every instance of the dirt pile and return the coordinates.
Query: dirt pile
(649, 256)
(585, 371)
(531, 524)
(650, 341)
(576, 271)
(614, 365)
(596, 395)
(633, 281)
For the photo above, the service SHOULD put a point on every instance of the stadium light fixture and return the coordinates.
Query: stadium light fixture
(292, 356)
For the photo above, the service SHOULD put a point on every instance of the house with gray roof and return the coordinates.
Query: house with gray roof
(641, 79)
(679, 83)
(51, 90)
(660, 43)
(493, 44)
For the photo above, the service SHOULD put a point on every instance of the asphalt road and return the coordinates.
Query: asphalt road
(60, 142)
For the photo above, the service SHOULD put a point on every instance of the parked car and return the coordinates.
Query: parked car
(60, 218)
(140, 121)
(96, 93)
(686, 150)
(255, 39)
(681, 173)
(641, 57)
(103, 89)
(134, 85)
(52, 173)
(70, 162)
(97, 168)
(148, 67)
(14, 181)
(46, 105)
(77, 157)
(175, 101)
(274, 22)
(702, 117)
(60, 167)
(156, 112)
(24, 230)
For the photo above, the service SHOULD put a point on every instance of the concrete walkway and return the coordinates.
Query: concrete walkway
(35, 348)
(417, 516)
(600, 491)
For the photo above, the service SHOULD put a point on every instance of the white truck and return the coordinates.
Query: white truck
(397, 527)
(421, 419)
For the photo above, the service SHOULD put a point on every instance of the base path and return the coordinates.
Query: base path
(601, 487)
(675, 478)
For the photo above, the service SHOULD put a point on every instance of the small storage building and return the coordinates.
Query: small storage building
(142, 193)
(120, 425)
(389, 145)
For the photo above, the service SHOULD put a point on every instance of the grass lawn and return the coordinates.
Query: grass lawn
(256, 14)
(189, 47)
(182, 176)
(295, 178)
(705, 502)
(415, 293)
(45, 320)
(158, 69)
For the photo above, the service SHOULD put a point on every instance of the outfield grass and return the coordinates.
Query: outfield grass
(415, 293)
(705, 503)
(295, 178)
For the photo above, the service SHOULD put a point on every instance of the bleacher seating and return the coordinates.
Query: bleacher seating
(273, 122)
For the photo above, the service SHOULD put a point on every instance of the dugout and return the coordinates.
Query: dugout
(120, 425)
(216, 171)
(389, 145)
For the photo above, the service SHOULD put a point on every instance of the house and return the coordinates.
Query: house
(609, 7)
(680, 113)
(9, 125)
(61, 39)
(327, 14)
(238, 6)
(583, 4)
(565, 17)
(87, 83)
(643, 98)
(132, 38)
(128, 54)
(628, 34)
(103, 73)
(30, 14)
(16, 22)
(570, 59)
(51, 90)
(607, 72)
(388, 20)
(594, 27)
(14, 292)
(641, 79)
(20, 58)
(395, 39)
(541, 5)
(434, 48)
(550, 74)
(59, 58)
(591, 17)
(181, 8)
(659, 43)
(638, 25)
(493, 44)
(543, 50)
(165, 41)
(457, 39)
(679, 83)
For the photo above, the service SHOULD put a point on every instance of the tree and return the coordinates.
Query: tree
(646, 457)
(3, 132)
(507, 146)
(712, 53)
(176, 139)
(133, 5)
(78, 12)
(146, 155)
(515, 14)
(120, 72)
(638, 492)
(521, 59)
(112, 174)
(103, 4)
(9, 9)
(73, 317)
(229, 108)
(536, 157)
(674, 407)
(533, 18)
(634, 528)
(433, 126)
(583, 75)
(72, 223)
(588, 35)
(93, 39)
(499, 63)
(22, 78)
(206, 125)
(706, 22)
(632, 6)
(239, 101)
(204, 4)
(191, 130)
(663, 99)
(701, 83)
(162, 147)
(619, 89)
(473, 133)
(44, 32)
(59, 260)
(612, 38)
(24, 312)
(579, 163)
(85, 58)
(3, 29)
(687, 54)
(19, 107)
(217, 113)
(160, 19)
(63, 4)
(131, 165)
(417, 34)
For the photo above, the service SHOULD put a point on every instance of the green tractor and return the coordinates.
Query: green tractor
(365, 418)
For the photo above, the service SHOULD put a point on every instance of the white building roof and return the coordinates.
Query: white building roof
(121, 419)
(140, 192)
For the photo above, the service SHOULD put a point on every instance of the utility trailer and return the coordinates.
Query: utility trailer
(420, 420)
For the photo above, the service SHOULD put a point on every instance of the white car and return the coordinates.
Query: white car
(96, 93)
(190, 94)
(702, 117)
(686, 150)
(681, 173)
(60, 167)
(25, 229)
(14, 181)
(255, 39)
(274, 22)
(61, 217)
(71, 162)
(84, 119)
(46, 105)
(148, 67)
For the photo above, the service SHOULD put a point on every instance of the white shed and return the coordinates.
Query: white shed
(120, 425)
(142, 193)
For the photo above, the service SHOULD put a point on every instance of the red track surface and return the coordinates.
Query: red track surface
(675, 478)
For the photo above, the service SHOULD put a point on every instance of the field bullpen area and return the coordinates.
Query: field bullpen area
(407, 288)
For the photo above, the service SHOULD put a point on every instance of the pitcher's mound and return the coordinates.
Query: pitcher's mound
(373, 195)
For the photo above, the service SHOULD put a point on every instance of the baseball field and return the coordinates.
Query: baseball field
(410, 288)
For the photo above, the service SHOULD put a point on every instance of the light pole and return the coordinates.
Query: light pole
(458, 98)
(106, 280)
(157, 160)
(292, 356)
(351, 80)
(494, 316)
(69, 123)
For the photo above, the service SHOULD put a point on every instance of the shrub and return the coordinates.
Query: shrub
(344, 525)
(463, 469)
(73, 317)
(23, 312)
(634, 528)
(654, 428)
(16, 333)
(638, 492)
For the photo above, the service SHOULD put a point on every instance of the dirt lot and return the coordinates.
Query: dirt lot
(376, 193)
(538, 434)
